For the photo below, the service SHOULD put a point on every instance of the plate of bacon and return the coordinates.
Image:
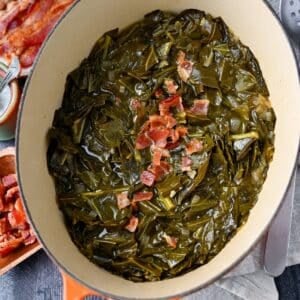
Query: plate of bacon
(17, 240)
(24, 25)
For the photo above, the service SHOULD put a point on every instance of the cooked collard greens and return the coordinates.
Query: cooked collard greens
(161, 145)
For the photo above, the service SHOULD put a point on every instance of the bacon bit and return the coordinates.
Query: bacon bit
(9, 181)
(171, 146)
(170, 86)
(11, 194)
(159, 136)
(182, 131)
(171, 241)
(174, 135)
(157, 155)
(157, 121)
(133, 224)
(135, 104)
(173, 101)
(142, 142)
(185, 70)
(122, 200)
(194, 146)
(147, 178)
(164, 152)
(186, 163)
(200, 107)
(170, 121)
(180, 57)
(142, 196)
(161, 170)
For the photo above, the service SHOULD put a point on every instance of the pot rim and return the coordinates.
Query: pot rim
(53, 258)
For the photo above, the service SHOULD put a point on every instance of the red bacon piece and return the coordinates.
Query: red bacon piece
(170, 86)
(167, 104)
(186, 163)
(194, 146)
(142, 196)
(133, 224)
(200, 107)
(142, 141)
(159, 171)
(147, 178)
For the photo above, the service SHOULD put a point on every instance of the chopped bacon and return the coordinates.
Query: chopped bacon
(194, 146)
(171, 146)
(180, 57)
(166, 104)
(133, 224)
(9, 181)
(185, 70)
(11, 194)
(142, 141)
(184, 67)
(164, 152)
(171, 241)
(174, 135)
(142, 196)
(159, 136)
(186, 163)
(147, 178)
(200, 107)
(182, 131)
(157, 155)
(157, 121)
(159, 171)
(170, 86)
(122, 200)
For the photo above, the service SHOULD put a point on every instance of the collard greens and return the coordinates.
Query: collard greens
(162, 145)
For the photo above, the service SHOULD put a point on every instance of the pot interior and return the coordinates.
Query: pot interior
(254, 23)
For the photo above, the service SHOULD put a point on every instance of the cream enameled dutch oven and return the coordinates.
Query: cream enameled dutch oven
(70, 42)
